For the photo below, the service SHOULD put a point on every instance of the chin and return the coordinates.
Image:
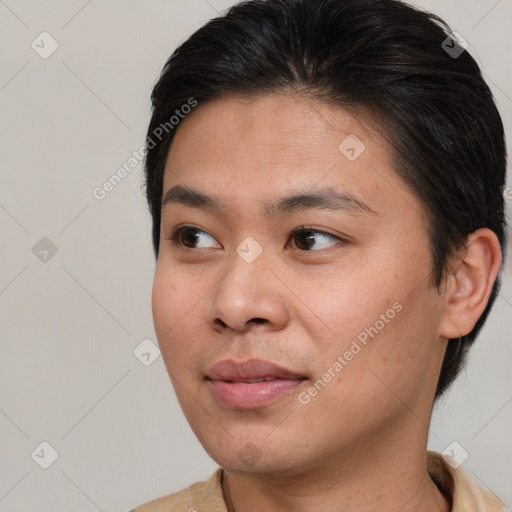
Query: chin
(248, 457)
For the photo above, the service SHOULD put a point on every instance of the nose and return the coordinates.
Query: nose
(249, 296)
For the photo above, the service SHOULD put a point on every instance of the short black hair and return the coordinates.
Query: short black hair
(379, 56)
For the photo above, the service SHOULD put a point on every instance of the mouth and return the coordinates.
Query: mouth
(251, 381)
(251, 384)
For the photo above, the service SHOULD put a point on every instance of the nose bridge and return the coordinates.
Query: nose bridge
(249, 290)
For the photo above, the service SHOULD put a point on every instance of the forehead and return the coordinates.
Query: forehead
(270, 127)
(270, 145)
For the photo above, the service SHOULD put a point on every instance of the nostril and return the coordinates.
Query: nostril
(219, 321)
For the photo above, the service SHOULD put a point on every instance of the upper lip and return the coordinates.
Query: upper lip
(230, 370)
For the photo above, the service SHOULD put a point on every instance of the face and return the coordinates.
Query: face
(296, 330)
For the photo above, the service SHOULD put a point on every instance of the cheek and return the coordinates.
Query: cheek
(389, 358)
(347, 301)
(175, 305)
(162, 303)
(380, 301)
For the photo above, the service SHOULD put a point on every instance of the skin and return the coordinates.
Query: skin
(360, 443)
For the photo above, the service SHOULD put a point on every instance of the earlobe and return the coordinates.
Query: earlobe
(470, 282)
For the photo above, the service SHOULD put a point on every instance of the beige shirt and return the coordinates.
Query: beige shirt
(464, 493)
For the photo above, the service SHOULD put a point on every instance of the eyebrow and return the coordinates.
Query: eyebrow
(326, 198)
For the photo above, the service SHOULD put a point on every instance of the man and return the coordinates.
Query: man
(328, 224)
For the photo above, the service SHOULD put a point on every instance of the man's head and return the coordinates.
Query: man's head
(359, 98)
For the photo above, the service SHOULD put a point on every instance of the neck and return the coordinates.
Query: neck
(383, 480)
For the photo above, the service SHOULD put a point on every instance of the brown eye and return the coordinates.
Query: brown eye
(305, 239)
(188, 236)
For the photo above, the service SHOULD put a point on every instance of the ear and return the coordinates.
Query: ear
(469, 283)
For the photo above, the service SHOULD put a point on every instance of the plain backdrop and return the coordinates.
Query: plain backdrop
(76, 272)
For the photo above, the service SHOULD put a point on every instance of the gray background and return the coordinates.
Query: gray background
(70, 324)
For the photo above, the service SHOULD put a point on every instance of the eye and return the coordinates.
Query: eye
(189, 235)
(306, 238)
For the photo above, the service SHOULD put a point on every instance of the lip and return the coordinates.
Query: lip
(228, 381)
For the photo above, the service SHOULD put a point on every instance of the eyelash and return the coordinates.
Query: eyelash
(176, 232)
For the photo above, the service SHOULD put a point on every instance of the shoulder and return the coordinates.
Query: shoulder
(204, 496)
(466, 495)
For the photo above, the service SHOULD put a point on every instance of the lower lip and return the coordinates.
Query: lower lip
(246, 395)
